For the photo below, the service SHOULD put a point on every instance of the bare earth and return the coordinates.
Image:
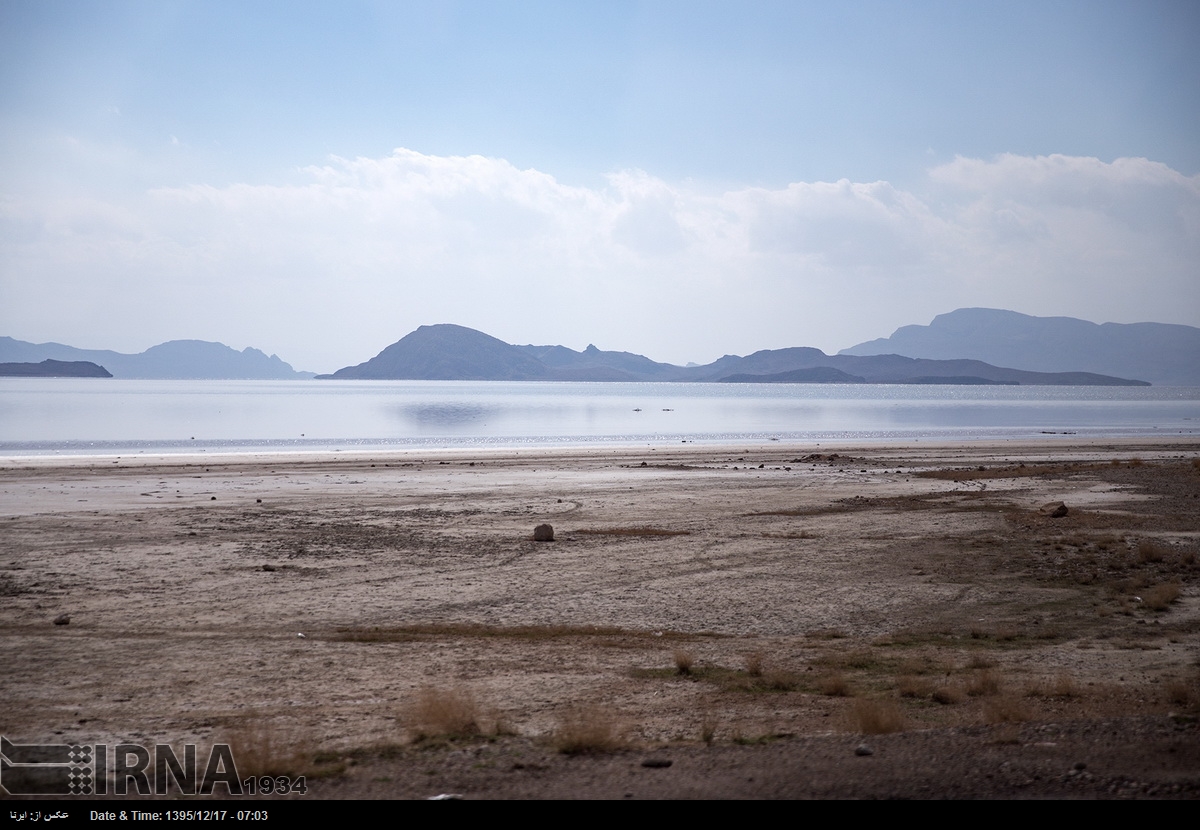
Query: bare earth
(710, 622)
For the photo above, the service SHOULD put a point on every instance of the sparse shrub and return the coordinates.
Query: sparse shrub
(445, 713)
(260, 749)
(1005, 709)
(1062, 686)
(983, 683)
(909, 685)
(981, 661)
(588, 730)
(834, 685)
(778, 680)
(877, 717)
(1149, 551)
(631, 531)
(1160, 597)
(683, 662)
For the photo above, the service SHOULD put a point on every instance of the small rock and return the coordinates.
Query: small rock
(1055, 510)
(62, 619)
(862, 750)
(543, 533)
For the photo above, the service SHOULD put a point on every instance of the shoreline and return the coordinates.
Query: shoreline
(1069, 442)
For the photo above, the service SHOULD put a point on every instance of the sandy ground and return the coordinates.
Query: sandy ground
(747, 621)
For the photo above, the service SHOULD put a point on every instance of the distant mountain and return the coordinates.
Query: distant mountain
(765, 367)
(449, 352)
(177, 359)
(54, 369)
(594, 364)
(818, 374)
(1164, 354)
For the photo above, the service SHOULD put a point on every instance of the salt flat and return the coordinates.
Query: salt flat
(728, 600)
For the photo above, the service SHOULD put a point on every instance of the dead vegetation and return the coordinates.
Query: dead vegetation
(630, 531)
(589, 729)
(436, 631)
(263, 748)
(877, 717)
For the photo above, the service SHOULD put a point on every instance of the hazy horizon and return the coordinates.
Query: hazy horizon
(678, 180)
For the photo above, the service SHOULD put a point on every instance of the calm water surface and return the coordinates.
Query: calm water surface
(73, 416)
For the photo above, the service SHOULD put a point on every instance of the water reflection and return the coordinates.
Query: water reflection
(446, 415)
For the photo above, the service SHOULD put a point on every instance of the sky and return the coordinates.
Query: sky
(678, 179)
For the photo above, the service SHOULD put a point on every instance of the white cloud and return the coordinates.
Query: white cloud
(331, 269)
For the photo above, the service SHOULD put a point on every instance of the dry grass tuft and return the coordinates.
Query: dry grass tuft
(981, 661)
(260, 749)
(1160, 597)
(778, 680)
(834, 685)
(589, 730)
(909, 685)
(683, 662)
(1062, 686)
(877, 717)
(631, 531)
(1005, 709)
(1149, 551)
(445, 713)
(708, 727)
(436, 631)
(983, 683)
(1007, 733)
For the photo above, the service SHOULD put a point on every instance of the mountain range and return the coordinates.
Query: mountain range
(176, 359)
(1164, 354)
(450, 352)
(967, 346)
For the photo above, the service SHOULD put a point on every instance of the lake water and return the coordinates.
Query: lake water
(93, 416)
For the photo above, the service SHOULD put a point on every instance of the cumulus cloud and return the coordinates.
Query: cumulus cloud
(357, 252)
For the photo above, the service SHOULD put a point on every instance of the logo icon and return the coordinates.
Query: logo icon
(46, 769)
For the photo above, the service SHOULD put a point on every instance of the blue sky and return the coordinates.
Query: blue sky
(678, 179)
